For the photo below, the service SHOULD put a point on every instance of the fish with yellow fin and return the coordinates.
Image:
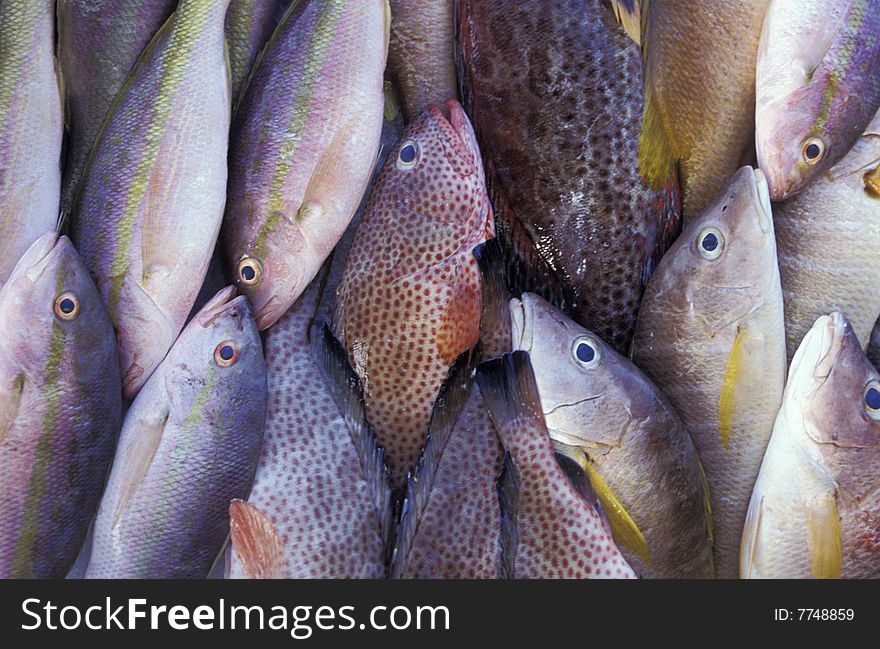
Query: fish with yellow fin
(711, 336)
(815, 510)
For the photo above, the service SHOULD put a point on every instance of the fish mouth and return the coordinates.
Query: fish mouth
(454, 115)
(765, 210)
(217, 306)
(269, 313)
(816, 355)
(521, 324)
(36, 258)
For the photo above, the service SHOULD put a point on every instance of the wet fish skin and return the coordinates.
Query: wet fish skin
(555, 533)
(818, 83)
(410, 299)
(421, 58)
(305, 138)
(99, 44)
(249, 24)
(189, 445)
(608, 417)
(700, 89)
(711, 336)
(828, 241)
(60, 409)
(152, 195)
(31, 128)
(815, 511)
(555, 93)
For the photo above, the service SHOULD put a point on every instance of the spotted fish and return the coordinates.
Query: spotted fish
(553, 531)
(189, 446)
(305, 138)
(602, 412)
(410, 299)
(152, 194)
(711, 336)
(554, 89)
(815, 510)
(31, 127)
(60, 409)
(818, 87)
(99, 43)
(828, 241)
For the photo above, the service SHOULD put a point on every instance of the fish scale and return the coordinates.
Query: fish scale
(555, 93)
(410, 299)
(99, 43)
(60, 410)
(31, 127)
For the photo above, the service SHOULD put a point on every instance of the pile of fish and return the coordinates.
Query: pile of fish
(439, 289)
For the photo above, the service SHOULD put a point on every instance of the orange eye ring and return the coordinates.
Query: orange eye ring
(226, 354)
(67, 306)
(249, 271)
(813, 151)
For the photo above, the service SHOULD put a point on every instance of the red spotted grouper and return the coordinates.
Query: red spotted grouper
(60, 409)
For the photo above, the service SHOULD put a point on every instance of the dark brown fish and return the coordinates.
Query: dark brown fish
(554, 90)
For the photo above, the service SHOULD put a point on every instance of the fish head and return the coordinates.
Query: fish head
(50, 298)
(435, 174)
(590, 394)
(218, 359)
(722, 265)
(837, 390)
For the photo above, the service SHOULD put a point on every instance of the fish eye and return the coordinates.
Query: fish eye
(710, 243)
(872, 400)
(813, 150)
(67, 306)
(249, 271)
(586, 352)
(409, 155)
(226, 354)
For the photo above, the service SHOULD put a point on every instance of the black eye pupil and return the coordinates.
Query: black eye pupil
(872, 398)
(408, 154)
(248, 273)
(585, 353)
(67, 305)
(226, 352)
(710, 242)
(813, 151)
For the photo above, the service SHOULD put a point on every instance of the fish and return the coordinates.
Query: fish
(699, 62)
(99, 42)
(711, 336)
(31, 128)
(606, 415)
(305, 139)
(320, 506)
(421, 56)
(152, 193)
(410, 298)
(554, 90)
(189, 446)
(828, 239)
(60, 409)
(249, 25)
(818, 88)
(815, 510)
(450, 523)
(553, 532)
(873, 350)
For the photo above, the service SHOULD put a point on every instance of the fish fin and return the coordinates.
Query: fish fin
(392, 102)
(495, 331)
(136, 461)
(463, 46)
(10, 400)
(749, 543)
(453, 395)
(623, 528)
(628, 14)
(707, 502)
(508, 497)
(255, 541)
(872, 182)
(573, 463)
(823, 536)
(732, 377)
(507, 385)
(345, 388)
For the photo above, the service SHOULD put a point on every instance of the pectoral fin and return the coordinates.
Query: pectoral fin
(823, 537)
(255, 541)
(628, 14)
(749, 542)
(10, 399)
(732, 377)
(137, 459)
